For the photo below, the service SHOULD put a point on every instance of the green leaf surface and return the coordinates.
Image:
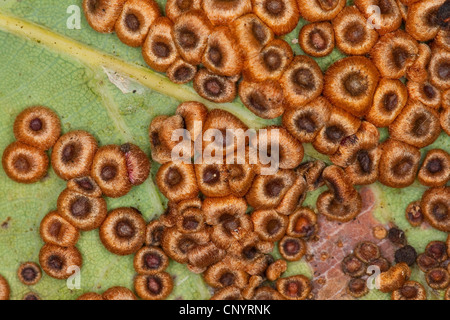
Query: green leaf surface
(96, 83)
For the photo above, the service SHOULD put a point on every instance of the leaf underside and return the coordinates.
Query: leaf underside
(116, 110)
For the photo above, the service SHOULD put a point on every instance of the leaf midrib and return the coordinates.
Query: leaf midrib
(96, 59)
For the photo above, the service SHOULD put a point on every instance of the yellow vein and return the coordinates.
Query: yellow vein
(97, 59)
